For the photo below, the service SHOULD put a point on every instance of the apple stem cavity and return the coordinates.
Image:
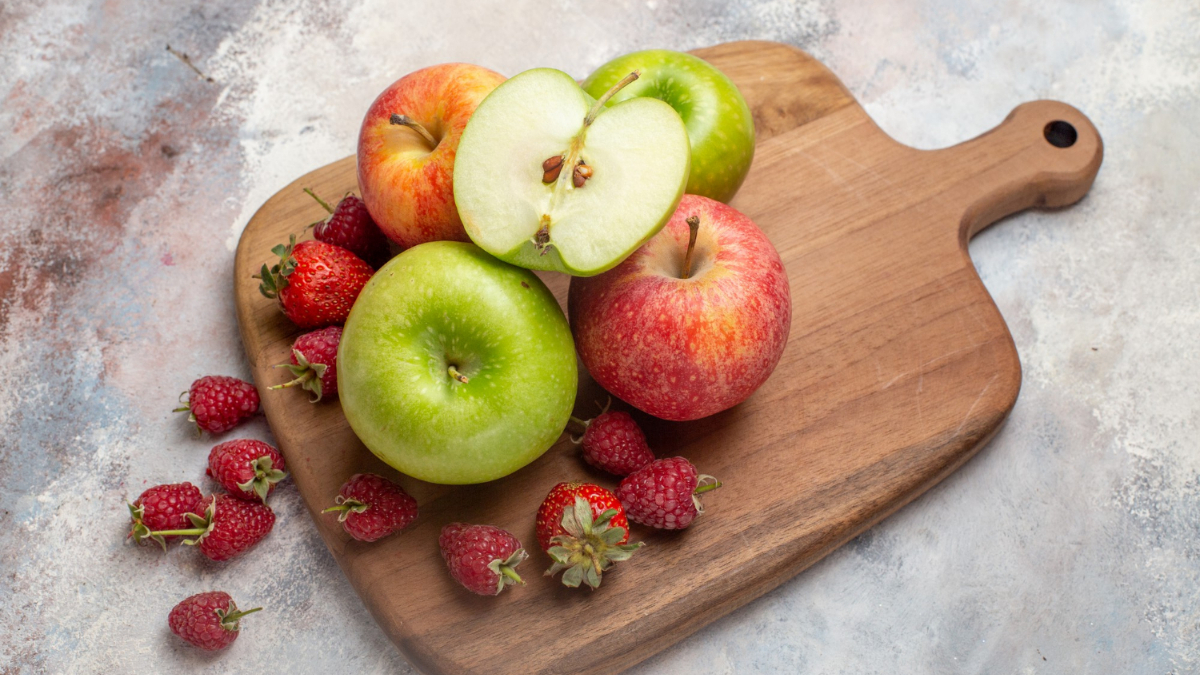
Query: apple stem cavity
(599, 105)
(694, 228)
(457, 375)
(406, 121)
(320, 201)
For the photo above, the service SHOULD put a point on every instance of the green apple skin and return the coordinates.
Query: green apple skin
(719, 123)
(446, 303)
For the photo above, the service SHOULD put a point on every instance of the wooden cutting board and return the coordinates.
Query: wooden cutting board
(898, 369)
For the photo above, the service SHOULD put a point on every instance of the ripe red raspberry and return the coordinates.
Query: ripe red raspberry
(207, 620)
(583, 528)
(372, 507)
(228, 527)
(350, 226)
(663, 494)
(248, 469)
(613, 442)
(163, 507)
(314, 362)
(482, 558)
(218, 403)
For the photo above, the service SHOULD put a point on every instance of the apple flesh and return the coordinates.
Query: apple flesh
(455, 367)
(635, 155)
(406, 172)
(684, 346)
(719, 123)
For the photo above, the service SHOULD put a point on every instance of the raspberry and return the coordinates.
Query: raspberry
(482, 558)
(314, 362)
(663, 494)
(228, 527)
(351, 227)
(217, 403)
(207, 620)
(615, 443)
(248, 469)
(163, 507)
(372, 507)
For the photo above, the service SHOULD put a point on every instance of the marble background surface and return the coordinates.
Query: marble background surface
(1071, 544)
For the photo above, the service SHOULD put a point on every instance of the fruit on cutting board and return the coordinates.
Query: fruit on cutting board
(583, 528)
(210, 621)
(314, 282)
(614, 442)
(407, 147)
(350, 226)
(549, 178)
(483, 558)
(314, 363)
(370, 507)
(719, 123)
(455, 367)
(691, 323)
(665, 494)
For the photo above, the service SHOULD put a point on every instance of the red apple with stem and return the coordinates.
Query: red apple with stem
(406, 150)
(692, 322)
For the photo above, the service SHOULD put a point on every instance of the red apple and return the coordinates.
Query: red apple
(406, 150)
(682, 339)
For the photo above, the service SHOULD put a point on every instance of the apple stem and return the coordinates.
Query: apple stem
(320, 201)
(599, 105)
(694, 226)
(457, 375)
(406, 121)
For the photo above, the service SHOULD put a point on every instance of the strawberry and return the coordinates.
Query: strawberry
(162, 507)
(248, 469)
(350, 226)
(583, 528)
(228, 527)
(372, 507)
(217, 403)
(314, 362)
(209, 621)
(665, 493)
(316, 283)
(482, 558)
(613, 442)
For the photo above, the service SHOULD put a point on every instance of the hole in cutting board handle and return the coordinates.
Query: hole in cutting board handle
(1060, 134)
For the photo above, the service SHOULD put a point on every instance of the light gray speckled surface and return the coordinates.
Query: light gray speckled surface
(1071, 544)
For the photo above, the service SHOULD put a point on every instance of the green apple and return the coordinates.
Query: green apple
(718, 120)
(547, 177)
(455, 367)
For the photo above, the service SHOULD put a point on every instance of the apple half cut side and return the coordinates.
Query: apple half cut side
(637, 155)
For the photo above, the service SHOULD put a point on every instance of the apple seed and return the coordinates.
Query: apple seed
(551, 168)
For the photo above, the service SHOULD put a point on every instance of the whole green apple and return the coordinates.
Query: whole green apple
(718, 121)
(455, 367)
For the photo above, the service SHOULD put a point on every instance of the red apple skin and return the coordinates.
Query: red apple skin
(409, 190)
(682, 349)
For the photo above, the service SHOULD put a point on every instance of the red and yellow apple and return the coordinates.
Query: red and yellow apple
(684, 330)
(406, 150)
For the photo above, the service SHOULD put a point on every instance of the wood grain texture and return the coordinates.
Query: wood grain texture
(898, 369)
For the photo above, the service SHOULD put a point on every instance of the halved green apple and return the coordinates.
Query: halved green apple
(623, 171)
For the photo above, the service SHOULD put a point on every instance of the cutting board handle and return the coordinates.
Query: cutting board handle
(1045, 154)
